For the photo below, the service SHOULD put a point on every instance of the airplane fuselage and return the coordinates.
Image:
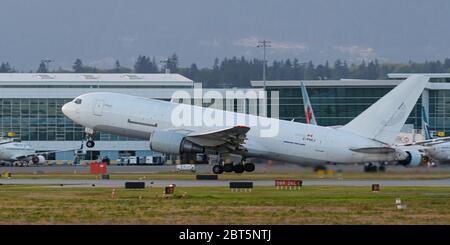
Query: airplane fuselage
(13, 151)
(298, 143)
(439, 152)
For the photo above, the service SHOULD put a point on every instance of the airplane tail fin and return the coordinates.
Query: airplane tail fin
(309, 113)
(425, 125)
(383, 120)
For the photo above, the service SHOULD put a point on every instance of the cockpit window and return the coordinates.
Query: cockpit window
(77, 101)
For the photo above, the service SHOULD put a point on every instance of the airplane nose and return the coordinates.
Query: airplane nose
(66, 109)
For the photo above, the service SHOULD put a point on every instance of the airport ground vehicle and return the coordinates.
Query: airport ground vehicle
(185, 167)
(144, 160)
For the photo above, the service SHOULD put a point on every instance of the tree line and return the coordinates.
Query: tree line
(238, 72)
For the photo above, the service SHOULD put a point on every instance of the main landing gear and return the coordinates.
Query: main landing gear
(89, 137)
(230, 167)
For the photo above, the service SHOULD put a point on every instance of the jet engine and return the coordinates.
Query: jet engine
(38, 159)
(414, 158)
(173, 143)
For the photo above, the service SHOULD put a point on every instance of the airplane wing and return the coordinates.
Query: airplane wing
(227, 139)
(429, 142)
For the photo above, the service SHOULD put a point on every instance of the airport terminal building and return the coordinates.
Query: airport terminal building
(30, 105)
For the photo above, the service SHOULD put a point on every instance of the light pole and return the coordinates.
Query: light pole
(47, 64)
(166, 65)
(263, 44)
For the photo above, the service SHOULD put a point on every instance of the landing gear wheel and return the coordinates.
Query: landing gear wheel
(239, 168)
(228, 167)
(217, 169)
(90, 143)
(249, 167)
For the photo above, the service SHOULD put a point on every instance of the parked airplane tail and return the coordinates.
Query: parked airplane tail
(425, 125)
(309, 113)
(383, 120)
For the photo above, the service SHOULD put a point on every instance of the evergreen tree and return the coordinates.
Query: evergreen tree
(323, 71)
(361, 70)
(191, 72)
(345, 70)
(238, 72)
(78, 66)
(117, 66)
(446, 65)
(310, 71)
(338, 71)
(371, 70)
(298, 71)
(42, 68)
(216, 64)
(172, 63)
(143, 64)
(327, 71)
(5, 67)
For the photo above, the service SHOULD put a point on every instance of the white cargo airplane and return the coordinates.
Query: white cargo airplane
(437, 149)
(14, 151)
(367, 138)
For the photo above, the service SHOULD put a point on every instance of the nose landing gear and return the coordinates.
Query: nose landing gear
(90, 143)
(90, 137)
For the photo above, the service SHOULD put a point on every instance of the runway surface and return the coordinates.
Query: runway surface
(281, 168)
(203, 168)
(200, 168)
(215, 183)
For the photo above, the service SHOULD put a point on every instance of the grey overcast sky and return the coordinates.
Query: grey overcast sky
(101, 31)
